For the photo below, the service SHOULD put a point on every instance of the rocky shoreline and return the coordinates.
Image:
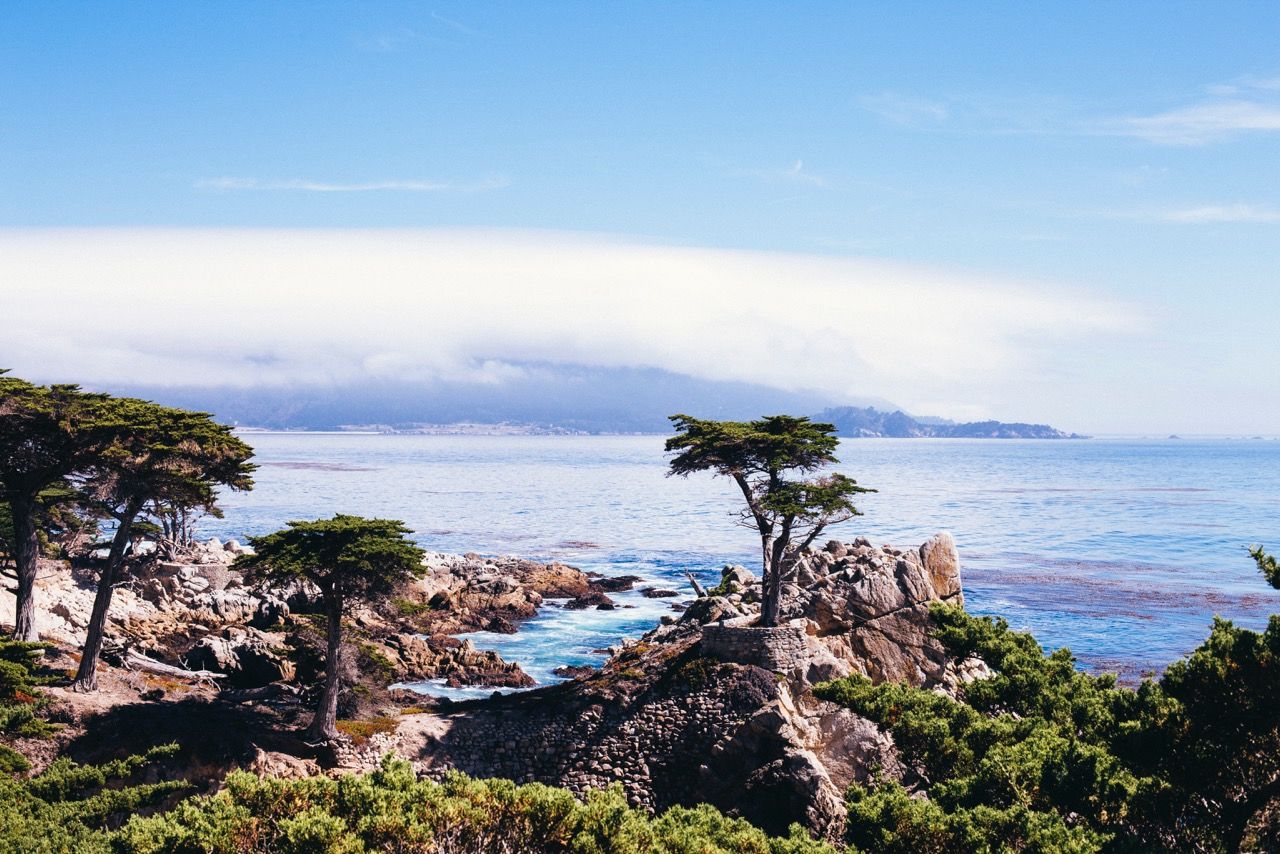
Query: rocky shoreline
(703, 708)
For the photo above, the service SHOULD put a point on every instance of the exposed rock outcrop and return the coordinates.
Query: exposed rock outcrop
(677, 719)
(458, 662)
(464, 593)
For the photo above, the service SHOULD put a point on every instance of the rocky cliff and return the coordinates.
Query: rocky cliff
(693, 713)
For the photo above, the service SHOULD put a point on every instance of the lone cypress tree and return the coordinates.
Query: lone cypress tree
(762, 458)
(47, 433)
(350, 559)
(159, 455)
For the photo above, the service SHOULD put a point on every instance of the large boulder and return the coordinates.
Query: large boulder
(247, 659)
(867, 609)
(461, 593)
(415, 658)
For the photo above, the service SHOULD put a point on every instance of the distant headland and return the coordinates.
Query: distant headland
(868, 422)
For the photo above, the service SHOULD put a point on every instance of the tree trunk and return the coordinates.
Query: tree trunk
(324, 726)
(87, 673)
(27, 560)
(768, 586)
(771, 607)
(1238, 822)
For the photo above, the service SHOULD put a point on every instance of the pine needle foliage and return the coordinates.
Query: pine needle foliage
(71, 807)
(1043, 757)
(390, 809)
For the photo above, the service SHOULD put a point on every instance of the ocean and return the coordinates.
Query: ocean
(1122, 550)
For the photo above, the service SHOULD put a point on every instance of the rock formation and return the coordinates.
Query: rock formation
(688, 713)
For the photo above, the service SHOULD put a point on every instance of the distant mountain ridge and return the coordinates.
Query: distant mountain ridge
(868, 422)
(554, 399)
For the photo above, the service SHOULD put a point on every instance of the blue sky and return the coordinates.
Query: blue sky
(1117, 159)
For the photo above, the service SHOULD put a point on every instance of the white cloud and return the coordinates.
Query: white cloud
(1210, 121)
(247, 307)
(1222, 213)
(797, 173)
(456, 26)
(905, 109)
(1198, 214)
(490, 183)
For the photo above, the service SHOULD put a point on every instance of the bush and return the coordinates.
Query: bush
(20, 698)
(361, 731)
(1042, 757)
(71, 807)
(390, 809)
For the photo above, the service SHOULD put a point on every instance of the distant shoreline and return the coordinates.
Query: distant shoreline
(444, 431)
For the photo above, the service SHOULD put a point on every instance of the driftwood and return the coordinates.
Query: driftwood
(697, 588)
(138, 661)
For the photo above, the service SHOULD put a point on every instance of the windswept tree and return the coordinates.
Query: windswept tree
(764, 458)
(47, 433)
(350, 559)
(159, 456)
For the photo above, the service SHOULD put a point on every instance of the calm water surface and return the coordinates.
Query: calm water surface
(1122, 550)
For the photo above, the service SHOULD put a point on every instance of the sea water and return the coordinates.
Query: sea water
(1122, 550)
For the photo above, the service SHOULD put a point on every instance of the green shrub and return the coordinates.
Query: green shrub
(21, 701)
(71, 807)
(361, 731)
(409, 608)
(390, 809)
(1043, 757)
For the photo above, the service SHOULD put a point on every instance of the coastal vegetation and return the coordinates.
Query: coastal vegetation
(349, 559)
(159, 462)
(1043, 757)
(763, 458)
(66, 453)
(1009, 748)
(72, 808)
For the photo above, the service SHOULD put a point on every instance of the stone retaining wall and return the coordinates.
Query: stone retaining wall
(778, 648)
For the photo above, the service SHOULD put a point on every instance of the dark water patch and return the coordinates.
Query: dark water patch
(1114, 596)
(1117, 490)
(313, 465)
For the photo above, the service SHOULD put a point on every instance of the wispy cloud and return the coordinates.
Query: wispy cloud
(1211, 121)
(456, 26)
(388, 41)
(1195, 214)
(1243, 84)
(796, 173)
(1244, 105)
(905, 109)
(1222, 111)
(495, 182)
(1222, 213)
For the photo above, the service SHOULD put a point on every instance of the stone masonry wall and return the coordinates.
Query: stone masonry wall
(778, 648)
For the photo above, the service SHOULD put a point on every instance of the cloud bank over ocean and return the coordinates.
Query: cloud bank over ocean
(252, 308)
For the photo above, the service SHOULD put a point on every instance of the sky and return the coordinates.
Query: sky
(1067, 213)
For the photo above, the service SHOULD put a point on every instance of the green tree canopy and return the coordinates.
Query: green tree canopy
(46, 434)
(350, 559)
(159, 455)
(763, 458)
